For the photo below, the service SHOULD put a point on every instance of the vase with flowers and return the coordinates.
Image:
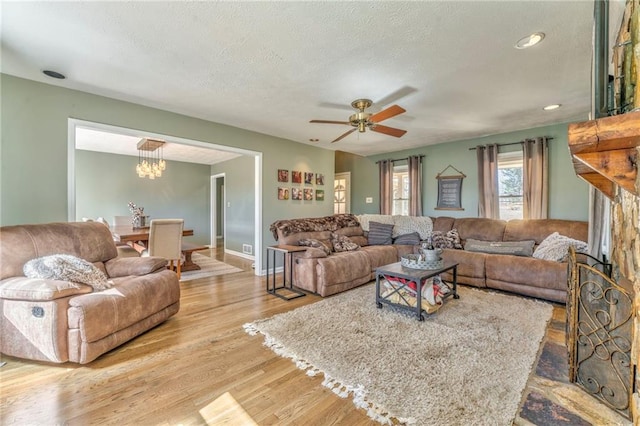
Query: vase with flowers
(138, 219)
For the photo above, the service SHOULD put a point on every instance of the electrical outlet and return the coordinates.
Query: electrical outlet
(247, 249)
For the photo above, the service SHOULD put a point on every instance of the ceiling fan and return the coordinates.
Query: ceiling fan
(361, 120)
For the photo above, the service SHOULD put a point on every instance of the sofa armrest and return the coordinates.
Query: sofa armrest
(125, 266)
(311, 253)
(23, 288)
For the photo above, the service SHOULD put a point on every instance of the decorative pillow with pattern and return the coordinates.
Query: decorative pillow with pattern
(556, 247)
(411, 239)
(343, 243)
(380, 233)
(312, 242)
(450, 240)
(64, 267)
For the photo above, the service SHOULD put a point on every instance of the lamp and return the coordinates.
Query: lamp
(151, 162)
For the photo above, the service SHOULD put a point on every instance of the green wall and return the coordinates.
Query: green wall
(33, 173)
(105, 183)
(568, 195)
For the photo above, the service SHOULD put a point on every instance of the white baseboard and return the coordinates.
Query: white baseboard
(278, 270)
(240, 254)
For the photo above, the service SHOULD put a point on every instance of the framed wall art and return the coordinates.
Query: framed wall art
(308, 177)
(450, 190)
(308, 194)
(296, 193)
(283, 193)
(283, 175)
(296, 176)
(319, 179)
(319, 194)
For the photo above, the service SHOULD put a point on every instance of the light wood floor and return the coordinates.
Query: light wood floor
(198, 367)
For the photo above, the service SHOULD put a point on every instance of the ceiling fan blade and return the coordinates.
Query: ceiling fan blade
(391, 131)
(344, 135)
(392, 111)
(395, 96)
(329, 122)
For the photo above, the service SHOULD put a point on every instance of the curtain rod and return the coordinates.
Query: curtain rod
(506, 144)
(401, 159)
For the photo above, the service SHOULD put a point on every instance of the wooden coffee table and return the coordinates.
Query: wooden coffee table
(417, 276)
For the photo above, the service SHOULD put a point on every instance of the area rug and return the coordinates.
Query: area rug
(208, 268)
(466, 364)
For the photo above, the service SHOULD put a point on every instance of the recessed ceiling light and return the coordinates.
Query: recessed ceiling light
(313, 140)
(54, 74)
(551, 107)
(530, 40)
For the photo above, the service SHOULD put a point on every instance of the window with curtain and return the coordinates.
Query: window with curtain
(510, 185)
(400, 204)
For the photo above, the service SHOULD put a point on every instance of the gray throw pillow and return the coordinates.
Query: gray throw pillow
(514, 248)
(410, 239)
(380, 233)
(64, 267)
(556, 247)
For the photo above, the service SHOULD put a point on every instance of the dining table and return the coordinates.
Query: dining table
(138, 238)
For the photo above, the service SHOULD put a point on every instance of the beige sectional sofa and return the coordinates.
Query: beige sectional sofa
(57, 320)
(327, 274)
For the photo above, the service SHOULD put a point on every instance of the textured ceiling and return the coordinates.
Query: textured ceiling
(271, 67)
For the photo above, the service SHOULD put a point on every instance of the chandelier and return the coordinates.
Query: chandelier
(151, 162)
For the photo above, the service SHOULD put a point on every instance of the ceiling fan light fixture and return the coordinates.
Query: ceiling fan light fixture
(530, 40)
(54, 74)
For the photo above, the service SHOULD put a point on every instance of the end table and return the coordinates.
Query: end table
(273, 288)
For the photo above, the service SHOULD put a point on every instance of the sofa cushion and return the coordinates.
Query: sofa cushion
(480, 228)
(380, 233)
(555, 247)
(515, 248)
(342, 243)
(366, 219)
(381, 255)
(64, 267)
(539, 229)
(312, 242)
(410, 239)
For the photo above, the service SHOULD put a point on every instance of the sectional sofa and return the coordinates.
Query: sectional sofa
(326, 273)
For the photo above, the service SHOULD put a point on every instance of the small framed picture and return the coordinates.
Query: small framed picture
(308, 194)
(319, 194)
(283, 193)
(296, 193)
(308, 177)
(319, 179)
(283, 175)
(296, 176)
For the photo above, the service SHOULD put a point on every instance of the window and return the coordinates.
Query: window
(510, 186)
(400, 190)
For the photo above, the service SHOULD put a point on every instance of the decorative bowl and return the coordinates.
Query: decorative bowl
(415, 261)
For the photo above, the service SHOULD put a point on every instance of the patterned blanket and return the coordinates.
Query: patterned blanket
(326, 223)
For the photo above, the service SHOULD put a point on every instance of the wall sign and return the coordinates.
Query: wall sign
(450, 190)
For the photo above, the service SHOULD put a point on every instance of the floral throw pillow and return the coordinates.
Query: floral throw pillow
(450, 239)
(343, 243)
(65, 267)
(312, 242)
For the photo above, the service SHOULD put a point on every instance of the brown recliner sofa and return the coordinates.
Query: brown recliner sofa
(57, 321)
(325, 275)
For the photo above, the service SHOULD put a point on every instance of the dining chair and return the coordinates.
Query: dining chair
(165, 240)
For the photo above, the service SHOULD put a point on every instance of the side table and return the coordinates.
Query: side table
(272, 288)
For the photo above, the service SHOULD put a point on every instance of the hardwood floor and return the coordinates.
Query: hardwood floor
(200, 367)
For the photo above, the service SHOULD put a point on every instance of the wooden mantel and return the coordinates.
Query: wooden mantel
(605, 152)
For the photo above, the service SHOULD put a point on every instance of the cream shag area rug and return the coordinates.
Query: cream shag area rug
(208, 268)
(465, 365)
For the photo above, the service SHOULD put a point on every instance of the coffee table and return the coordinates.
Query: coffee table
(417, 276)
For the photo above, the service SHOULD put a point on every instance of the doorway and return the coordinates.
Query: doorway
(217, 211)
(75, 125)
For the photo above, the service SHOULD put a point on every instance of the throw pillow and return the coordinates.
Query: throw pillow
(380, 233)
(312, 242)
(64, 267)
(450, 239)
(514, 248)
(411, 239)
(556, 247)
(343, 243)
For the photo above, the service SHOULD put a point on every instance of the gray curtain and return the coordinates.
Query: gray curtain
(415, 185)
(535, 176)
(488, 196)
(385, 168)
